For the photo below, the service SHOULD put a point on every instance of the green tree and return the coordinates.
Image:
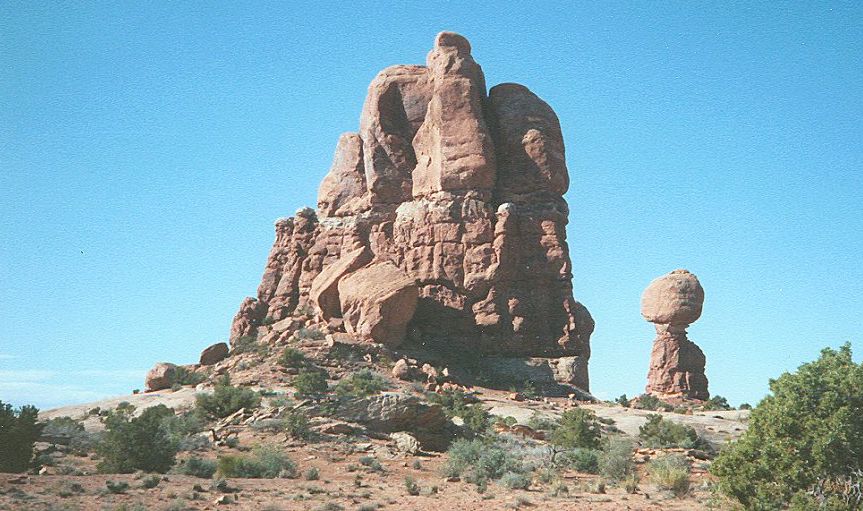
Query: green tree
(137, 443)
(225, 400)
(577, 428)
(806, 436)
(18, 432)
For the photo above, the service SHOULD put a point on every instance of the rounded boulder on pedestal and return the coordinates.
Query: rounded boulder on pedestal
(673, 299)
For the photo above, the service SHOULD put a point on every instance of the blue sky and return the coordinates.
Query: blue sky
(146, 148)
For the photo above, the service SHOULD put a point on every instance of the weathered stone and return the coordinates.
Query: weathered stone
(402, 370)
(343, 190)
(405, 442)
(214, 353)
(162, 376)
(324, 293)
(248, 318)
(391, 411)
(676, 363)
(377, 303)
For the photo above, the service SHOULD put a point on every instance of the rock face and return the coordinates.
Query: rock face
(161, 376)
(672, 302)
(461, 191)
(214, 354)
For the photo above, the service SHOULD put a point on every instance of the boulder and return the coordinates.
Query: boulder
(393, 411)
(405, 442)
(675, 298)
(214, 354)
(162, 376)
(377, 303)
(324, 293)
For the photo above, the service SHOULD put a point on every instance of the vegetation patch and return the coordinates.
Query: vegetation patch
(18, 432)
(225, 400)
(137, 443)
(659, 433)
(265, 462)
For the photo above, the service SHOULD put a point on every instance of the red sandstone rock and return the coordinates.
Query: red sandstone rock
(214, 354)
(248, 318)
(672, 302)
(377, 303)
(461, 191)
(161, 376)
(324, 293)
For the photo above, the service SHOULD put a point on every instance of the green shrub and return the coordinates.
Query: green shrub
(515, 481)
(411, 486)
(247, 344)
(659, 433)
(540, 423)
(186, 377)
(225, 400)
(198, 467)
(653, 403)
(150, 482)
(670, 473)
(265, 462)
(292, 357)
(311, 474)
(137, 443)
(478, 461)
(622, 401)
(372, 463)
(576, 428)
(117, 487)
(80, 440)
(745, 406)
(296, 425)
(18, 432)
(807, 435)
(582, 460)
(310, 383)
(615, 460)
(476, 419)
(183, 430)
(267, 321)
(312, 334)
(360, 384)
(717, 403)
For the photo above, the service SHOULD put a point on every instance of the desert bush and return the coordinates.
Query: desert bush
(186, 377)
(582, 460)
(310, 383)
(18, 432)
(372, 463)
(576, 428)
(622, 401)
(361, 383)
(476, 419)
(803, 440)
(717, 403)
(480, 461)
(137, 443)
(744, 406)
(80, 440)
(151, 482)
(116, 487)
(198, 467)
(653, 403)
(292, 357)
(660, 433)
(411, 486)
(265, 462)
(183, 429)
(515, 481)
(225, 400)
(311, 474)
(615, 460)
(541, 423)
(670, 473)
(296, 425)
(312, 334)
(247, 344)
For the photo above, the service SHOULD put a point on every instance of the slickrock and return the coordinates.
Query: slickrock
(672, 302)
(461, 191)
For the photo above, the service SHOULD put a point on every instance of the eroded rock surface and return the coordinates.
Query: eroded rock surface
(672, 302)
(460, 190)
(161, 376)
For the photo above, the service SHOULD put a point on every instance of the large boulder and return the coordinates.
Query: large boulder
(377, 303)
(214, 353)
(675, 298)
(162, 376)
(324, 293)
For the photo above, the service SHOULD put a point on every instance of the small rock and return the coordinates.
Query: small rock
(223, 499)
(405, 442)
(402, 370)
(516, 396)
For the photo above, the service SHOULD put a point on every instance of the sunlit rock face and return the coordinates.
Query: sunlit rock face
(671, 302)
(460, 190)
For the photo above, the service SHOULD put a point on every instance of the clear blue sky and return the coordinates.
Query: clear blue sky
(146, 148)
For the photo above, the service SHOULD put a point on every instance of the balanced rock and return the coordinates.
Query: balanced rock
(162, 376)
(460, 190)
(214, 354)
(672, 302)
(377, 303)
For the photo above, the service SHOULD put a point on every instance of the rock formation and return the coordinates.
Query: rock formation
(672, 302)
(161, 376)
(458, 194)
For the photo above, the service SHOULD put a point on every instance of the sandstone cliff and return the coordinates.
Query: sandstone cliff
(458, 194)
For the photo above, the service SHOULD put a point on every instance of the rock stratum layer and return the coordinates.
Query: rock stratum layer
(459, 192)
(672, 302)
